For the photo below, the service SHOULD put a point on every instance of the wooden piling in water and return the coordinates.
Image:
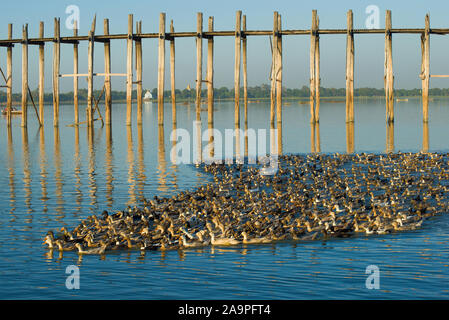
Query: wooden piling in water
(9, 76)
(172, 72)
(56, 65)
(90, 78)
(107, 78)
(388, 77)
(245, 69)
(129, 70)
(313, 42)
(317, 71)
(278, 73)
(349, 69)
(238, 41)
(273, 69)
(138, 42)
(25, 75)
(210, 73)
(161, 70)
(75, 78)
(41, 73)
(199, 63)
(425, 68)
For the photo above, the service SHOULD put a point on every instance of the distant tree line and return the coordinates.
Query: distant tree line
(257, 92)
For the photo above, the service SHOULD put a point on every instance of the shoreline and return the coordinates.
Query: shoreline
(301, 100)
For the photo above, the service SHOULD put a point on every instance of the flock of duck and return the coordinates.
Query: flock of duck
(315, 196)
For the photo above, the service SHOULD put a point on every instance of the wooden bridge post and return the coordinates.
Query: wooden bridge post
(313, 35)
(238, 41)
(107, 78)
(317, 71)
(9, 76)
(349, 69)
(172, 72)
(161, 70)
(278, 74)
(41, 73)
(139, 72)
(273, 69)
(245, 68)
(425, 68)
(25, 75)
(389, 95)
(199, 63)
(75, 78)
(210, 73)
(56, 65)
(129, 70)
(90, 72)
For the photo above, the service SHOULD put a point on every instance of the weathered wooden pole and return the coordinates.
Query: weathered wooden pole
(389, 69)
(24, 75)
(41, 73)
(210, 73)
(273, 68)
(129, 70)
(245, 69)
(172, 72)
(107, 78)
(90, 75)
(56, 65)
(279, 73)
(139, 72)
(238, 43)
(199, 63)
(75, 78)
(313, 36)
(317, 72)
(161, 70)
(425, 68)
(9, 76)
(349, 69)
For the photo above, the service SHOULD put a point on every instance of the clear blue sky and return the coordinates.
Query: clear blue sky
(296, 14)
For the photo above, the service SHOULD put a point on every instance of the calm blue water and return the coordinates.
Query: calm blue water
(55, 177)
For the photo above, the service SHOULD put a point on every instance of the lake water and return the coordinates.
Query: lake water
(55, 177)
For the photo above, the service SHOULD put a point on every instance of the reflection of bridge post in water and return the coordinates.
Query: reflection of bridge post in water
(173, 155)
(58, 173)
(238, 155)
(12, 184)
(273, 139)
(279, 136)
(141, 163)
(197, 142)
(91, 168)
(350, 137)
(425, 137)
(315, 141)
(43, 167)
(26, 171)
(161, 163)
(109, 168)
(130, 157)
(77, 170)
(246, 130)
(390, 137)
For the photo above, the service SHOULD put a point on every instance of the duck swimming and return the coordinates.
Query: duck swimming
(99, 250)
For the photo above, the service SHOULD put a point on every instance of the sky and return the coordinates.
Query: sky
(296, 14)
